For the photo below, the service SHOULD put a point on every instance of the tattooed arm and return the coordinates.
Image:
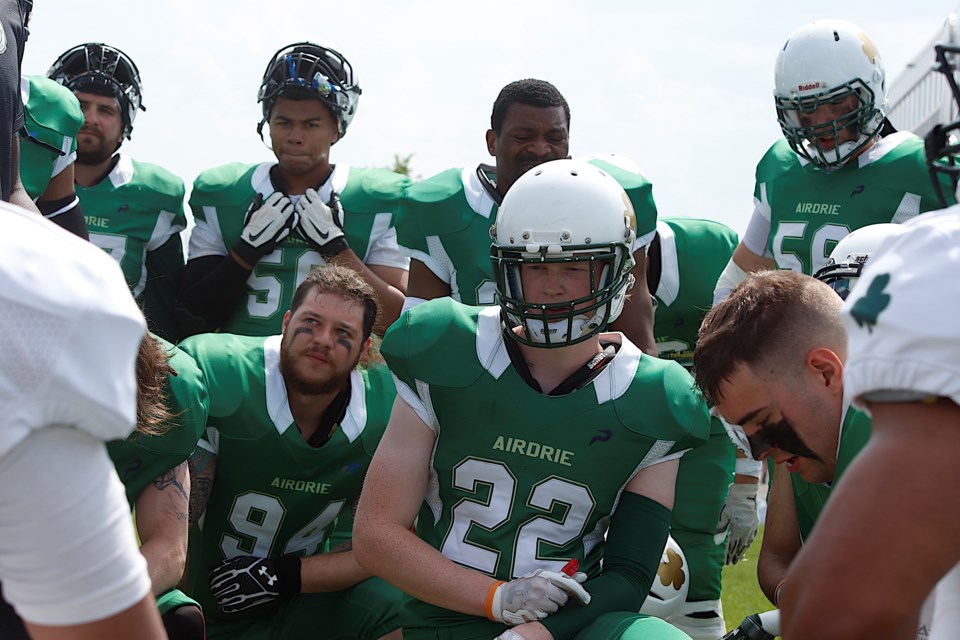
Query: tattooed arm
(162, 525)
(203, 471)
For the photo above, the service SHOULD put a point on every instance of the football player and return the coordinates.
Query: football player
(544, 434)
(133, 209)
(14, 16)
(151, 463)
(292, 427)
(52, 118)
(839, 166)
(445, 220)
(68, 557)
(683, 262)
(902, 368)
(262, 227)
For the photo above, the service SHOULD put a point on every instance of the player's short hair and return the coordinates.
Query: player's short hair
(343, 281)
(536, 93)
(153, 368)
(769, 323)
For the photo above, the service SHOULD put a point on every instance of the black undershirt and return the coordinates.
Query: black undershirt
(331, 419)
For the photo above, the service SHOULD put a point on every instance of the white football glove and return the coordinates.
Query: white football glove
(740, 516)
(536, 595)
(267, 224)
(321, 224)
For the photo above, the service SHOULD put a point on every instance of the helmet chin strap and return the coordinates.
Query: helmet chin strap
(538, 330)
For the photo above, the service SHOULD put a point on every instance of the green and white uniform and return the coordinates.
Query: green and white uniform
(52, 116)
(522, 480)
(692, 254)
(221, 197)
(811, 497)
(802, 212)
(275, 495)
(136, 215)
(444, 222)
(142, 458)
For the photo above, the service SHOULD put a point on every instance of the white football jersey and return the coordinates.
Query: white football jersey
(69, 333)
(901, 319)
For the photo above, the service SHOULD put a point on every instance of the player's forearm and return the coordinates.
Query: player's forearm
(333, 571)
(771, 571)
(397, 555)
(211, 289)
(166, 561)
(389, 297)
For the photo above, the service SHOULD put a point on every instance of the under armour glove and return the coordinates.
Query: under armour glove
(244, 582)
(267, 224)
(534, 596)
(739, 515)
(321, 224)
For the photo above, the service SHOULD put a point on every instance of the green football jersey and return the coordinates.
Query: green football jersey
(274, 494)
(692, 254)
(52, 118)
(221, 198)
(136, 215)
(811, 497)
(522, 480)
(141, 458)
(810, 210)
(444, 222)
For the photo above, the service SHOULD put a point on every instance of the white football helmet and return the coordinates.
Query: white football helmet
(670, 586)
(851, 254)
(822, 63)
(560, 212)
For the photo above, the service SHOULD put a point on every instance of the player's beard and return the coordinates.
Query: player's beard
(96, 154)
(311, 386)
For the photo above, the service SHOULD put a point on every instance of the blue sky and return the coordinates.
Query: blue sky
(682, 88)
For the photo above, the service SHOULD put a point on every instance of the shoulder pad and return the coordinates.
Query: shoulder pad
(702, 228)
(373, 190)
(778, 160)
(380, 393)
(159, 180)
(434, 342)
(436, 206)
(227, 363)
(229, 184)
(640, 192)
(674, 409)
(53, 107)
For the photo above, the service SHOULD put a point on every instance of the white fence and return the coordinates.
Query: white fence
(919, 97)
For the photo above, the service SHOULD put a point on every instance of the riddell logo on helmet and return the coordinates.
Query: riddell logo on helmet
(808, 87)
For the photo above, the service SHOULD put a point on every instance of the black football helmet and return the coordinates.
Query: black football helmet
(104, 70)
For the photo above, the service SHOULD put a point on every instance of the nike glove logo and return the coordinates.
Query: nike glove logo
(323, 234)
(255, 236)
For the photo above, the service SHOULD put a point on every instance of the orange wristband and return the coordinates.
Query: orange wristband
(488, 604)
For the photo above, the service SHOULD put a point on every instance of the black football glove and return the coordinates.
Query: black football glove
(267, 224)
(244, 582)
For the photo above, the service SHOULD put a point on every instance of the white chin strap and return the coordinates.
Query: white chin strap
(833, 155)
(557, 330)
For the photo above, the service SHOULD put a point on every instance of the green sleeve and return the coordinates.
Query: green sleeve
(635, 541)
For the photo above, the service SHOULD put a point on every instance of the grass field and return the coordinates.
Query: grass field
(741, 593)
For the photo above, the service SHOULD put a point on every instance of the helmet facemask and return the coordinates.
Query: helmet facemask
(943, 141)
(864, 120)
(561, 324)
(841, 276)
(306, 70)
